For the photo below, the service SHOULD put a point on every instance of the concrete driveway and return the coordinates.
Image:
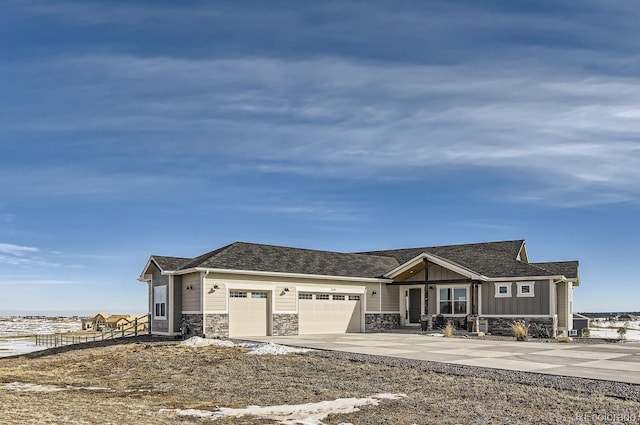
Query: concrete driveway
(615, 362)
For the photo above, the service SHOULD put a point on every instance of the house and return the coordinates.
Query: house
(95, 323)
(247, 289)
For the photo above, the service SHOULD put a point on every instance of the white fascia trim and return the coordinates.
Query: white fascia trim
(142, 274)
(145, 278)
(342, 290)
(516, 315)
(282, 274)
(285, 312)
(523, 250)
(530, 278)
(191, 312)
(436, 260)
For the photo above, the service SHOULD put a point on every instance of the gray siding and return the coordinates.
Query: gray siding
(191, 297)
(159, 280)
(515, 305)
(176, 314)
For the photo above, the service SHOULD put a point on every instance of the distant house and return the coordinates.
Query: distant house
(247, 289)
(95, 323)
(105, 321)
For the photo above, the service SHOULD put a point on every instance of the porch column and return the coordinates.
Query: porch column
(427, 318)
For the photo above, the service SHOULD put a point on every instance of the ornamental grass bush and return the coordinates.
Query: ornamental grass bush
(520, 330)
(449, 330)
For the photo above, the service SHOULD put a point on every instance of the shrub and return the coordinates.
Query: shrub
(622, 332)
(520, 330)
(586, 332)
(449, 330)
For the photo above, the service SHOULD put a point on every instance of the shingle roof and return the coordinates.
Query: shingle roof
(491, 259)
(568, 269)
(170, 263)
(269, 258)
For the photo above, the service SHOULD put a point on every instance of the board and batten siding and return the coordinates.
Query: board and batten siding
(191, 297)
(176, 314)
(436, 272)
(158, 279)
(514, 305)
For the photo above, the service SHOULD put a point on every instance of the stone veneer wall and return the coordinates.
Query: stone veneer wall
(285, 324)
(502, 325)
(194, 324)
(216, 325)
(377, 322)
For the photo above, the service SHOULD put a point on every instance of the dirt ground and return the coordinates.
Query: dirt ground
(137, 381)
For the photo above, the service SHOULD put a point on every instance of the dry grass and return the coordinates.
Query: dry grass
(520, 330)
(172, 376)
(449, 330)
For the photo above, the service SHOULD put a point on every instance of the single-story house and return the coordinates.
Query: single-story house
(247, 289)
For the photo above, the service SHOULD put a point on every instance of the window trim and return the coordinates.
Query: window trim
(530, 294)
(501, 284)
(467, 288)
(160, 291)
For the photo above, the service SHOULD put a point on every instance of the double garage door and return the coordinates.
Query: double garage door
(250, 313)
(329, 313)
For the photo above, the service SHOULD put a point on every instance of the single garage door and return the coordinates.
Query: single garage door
(329, 313)
(248, 313)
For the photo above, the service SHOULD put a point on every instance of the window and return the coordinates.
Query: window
(237, 294)
(160, 302)
(503, 289)
(453, 300)
(305, 296)
(525, 289)
(354, 297)
(338, 297)
(259, 295)
(322, 297)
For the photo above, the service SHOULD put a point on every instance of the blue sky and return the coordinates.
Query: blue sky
(136, 128)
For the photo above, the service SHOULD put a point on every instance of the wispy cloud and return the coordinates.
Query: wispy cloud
(16, 250)
(538, 109)
(18, 255)
(37, 282)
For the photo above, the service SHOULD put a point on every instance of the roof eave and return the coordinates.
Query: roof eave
(283, 274)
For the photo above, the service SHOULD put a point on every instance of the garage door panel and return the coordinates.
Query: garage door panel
(248, 313)
(329, 313)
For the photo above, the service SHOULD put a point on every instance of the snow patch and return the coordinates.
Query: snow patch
(37, 388)
(276, 349)
(256, 348)
(25, 387)
(197, 342)
(632, 334)
(302, 414)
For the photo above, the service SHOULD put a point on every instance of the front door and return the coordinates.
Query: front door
(415, 305)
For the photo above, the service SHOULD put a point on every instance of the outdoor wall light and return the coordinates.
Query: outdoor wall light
(373, 292)
(286, 289)
(189, 288)
(215, 286)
